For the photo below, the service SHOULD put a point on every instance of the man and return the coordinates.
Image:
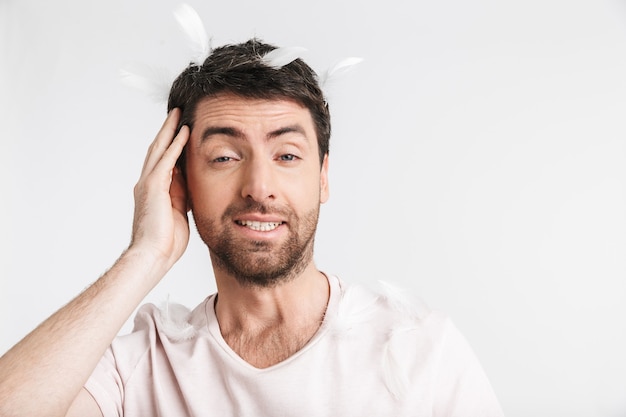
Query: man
(279, 337)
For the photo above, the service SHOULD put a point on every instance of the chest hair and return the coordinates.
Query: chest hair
(271, 345)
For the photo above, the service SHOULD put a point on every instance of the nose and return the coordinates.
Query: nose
(258, 180)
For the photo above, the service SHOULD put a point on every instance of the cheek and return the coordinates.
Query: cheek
(198, 180)
(204, 195)
(305, 193)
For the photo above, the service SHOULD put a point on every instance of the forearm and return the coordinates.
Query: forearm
(46, 370)
(42, 374)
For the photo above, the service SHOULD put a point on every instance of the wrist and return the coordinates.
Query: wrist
(152, 262)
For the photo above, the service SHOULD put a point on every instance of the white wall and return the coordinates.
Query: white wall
(478, 158)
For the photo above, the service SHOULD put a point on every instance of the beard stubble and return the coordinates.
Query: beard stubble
(259, 263)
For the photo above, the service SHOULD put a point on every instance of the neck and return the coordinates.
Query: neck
(276, 321)
(245, 306)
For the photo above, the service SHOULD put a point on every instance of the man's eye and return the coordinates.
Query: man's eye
(288, 157)
(223, 159)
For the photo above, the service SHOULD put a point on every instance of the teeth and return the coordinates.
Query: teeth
(259, 226)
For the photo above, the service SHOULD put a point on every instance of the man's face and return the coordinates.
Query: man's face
(255, 186)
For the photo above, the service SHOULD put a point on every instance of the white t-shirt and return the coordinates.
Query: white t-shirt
(374, 355)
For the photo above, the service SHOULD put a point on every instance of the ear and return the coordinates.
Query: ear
(324, 193)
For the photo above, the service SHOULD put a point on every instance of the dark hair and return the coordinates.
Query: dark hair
(238, 69)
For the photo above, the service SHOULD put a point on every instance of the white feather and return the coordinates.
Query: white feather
(192, 25)
(357, 306)
(394, 376)
(402, 301)
(154, 82)
(328, 77)
(280, 57)
(339, 69)
(174, 322)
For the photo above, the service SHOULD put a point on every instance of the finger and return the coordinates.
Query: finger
(168, 160)
(162, 140)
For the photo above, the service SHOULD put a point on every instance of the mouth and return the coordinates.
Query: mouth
(258, 226)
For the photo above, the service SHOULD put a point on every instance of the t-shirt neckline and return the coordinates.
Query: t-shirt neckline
(331, 311)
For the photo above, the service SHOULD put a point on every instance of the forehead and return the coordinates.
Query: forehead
(249, 114)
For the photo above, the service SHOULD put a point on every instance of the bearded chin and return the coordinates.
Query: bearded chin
(261, 263)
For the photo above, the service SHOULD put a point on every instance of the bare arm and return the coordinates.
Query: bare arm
(44, 373)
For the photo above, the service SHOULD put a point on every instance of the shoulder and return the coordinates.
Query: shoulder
(174, 321)
(388, 305)
(169, 322)
(386, 315)
(395, 328)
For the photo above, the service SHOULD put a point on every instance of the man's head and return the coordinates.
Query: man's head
(255, 186)
(238, 69)
(256, 162)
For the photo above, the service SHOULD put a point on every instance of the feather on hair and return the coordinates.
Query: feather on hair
(339, 69)
(154, 82)
(192, 25)
(282, 56)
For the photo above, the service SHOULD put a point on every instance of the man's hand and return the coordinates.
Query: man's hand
(161, 226)
(53, 362)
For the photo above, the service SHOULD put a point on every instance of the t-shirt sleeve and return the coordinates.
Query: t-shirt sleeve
(461, 386)
(109, 382)
(106, 387)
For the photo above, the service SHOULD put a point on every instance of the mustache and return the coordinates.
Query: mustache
(249, 206)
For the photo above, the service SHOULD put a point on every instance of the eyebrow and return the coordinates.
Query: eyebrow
(226, 131)
(238, 134)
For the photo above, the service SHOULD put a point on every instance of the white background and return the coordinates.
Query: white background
(478, 159)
